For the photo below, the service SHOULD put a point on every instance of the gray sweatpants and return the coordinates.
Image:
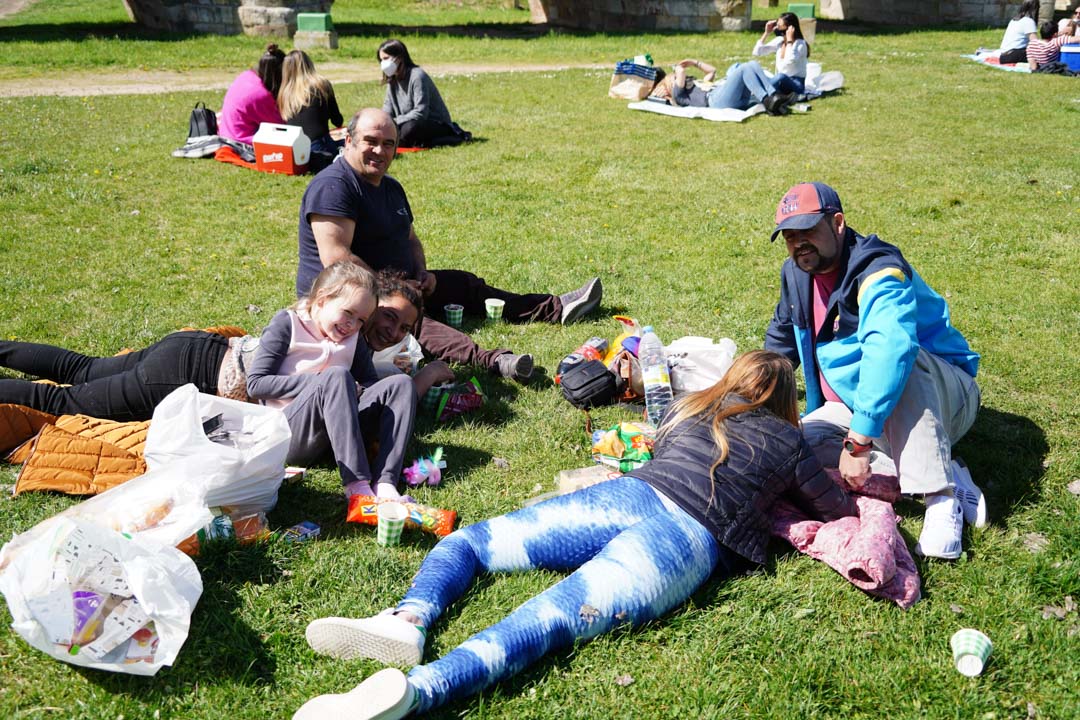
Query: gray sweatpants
(327, 417)
(937, 407)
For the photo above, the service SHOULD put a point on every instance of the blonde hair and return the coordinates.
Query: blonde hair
(760, 378)
(341, 278)
(300, 84)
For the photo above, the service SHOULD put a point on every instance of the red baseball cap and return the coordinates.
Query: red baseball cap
(803, 206)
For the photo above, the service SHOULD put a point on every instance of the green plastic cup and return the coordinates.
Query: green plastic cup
(494, 308)
(971, 649)
(391, 516)
(431, 398)
(453, 313)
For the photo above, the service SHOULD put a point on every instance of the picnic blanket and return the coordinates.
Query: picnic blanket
(990, 59)
(817, 84)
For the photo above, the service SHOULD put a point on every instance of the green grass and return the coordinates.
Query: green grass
(107, 242)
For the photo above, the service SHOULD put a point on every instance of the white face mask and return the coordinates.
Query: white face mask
(388, 67)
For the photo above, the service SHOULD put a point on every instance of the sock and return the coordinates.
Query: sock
(359, 487)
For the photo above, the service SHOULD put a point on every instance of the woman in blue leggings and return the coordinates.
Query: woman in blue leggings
(639, 546)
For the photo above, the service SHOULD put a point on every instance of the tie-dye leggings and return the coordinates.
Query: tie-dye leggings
(637, 556)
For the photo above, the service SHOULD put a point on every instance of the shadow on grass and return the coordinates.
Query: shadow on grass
(66, 32)
(1005, 453)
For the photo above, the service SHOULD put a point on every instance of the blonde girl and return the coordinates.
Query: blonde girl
(307, 100)
(638, 546)
(314, 365)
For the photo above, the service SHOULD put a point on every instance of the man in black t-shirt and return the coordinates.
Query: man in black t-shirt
(353, 210)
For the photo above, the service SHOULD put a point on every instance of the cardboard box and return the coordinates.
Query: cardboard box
(281, 149)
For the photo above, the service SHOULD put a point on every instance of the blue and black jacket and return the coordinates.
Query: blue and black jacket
(879, 315)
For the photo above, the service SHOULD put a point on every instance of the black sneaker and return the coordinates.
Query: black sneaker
(779, 103)
(514, 367)
(578, 303)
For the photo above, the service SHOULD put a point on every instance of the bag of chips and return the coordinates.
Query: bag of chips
(458, 399)
(626, 446)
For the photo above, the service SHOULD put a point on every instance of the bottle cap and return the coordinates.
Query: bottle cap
(647, 328)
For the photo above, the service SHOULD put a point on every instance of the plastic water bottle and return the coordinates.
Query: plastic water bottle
(654, 374)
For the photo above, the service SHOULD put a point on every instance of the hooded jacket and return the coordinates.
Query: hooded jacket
(767, 458)
(879, 315)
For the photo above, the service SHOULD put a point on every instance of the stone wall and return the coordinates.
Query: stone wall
(920, 12)
(273, 18)
(643, 15)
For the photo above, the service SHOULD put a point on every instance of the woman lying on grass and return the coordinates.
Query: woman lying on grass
(640, 545)
(311, 361)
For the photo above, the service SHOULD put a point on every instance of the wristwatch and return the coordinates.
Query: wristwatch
(854, 447)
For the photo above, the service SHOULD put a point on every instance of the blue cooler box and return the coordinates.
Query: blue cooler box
(1070, 55)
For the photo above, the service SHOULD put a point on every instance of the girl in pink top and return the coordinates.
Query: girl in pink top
(252, 99)
(314, 364)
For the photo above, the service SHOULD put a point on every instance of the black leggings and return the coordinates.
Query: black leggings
(1016, 55)
(124, 387)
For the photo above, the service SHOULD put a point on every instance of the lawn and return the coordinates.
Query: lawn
(107, 242)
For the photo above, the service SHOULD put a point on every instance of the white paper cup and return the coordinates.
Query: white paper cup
(971, 649)
(391, 517)
(494, 308)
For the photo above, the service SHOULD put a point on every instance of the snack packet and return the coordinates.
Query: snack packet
(364, 509)
(625, 446)
(458, 399)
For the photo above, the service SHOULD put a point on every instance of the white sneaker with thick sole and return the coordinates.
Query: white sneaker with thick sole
(970, 496)
(942, 527)
(384, 637)
(386, 695)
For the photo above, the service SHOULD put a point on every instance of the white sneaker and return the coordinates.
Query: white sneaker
(384, 637)
(970, 496)
(942, 527)
(386, 695)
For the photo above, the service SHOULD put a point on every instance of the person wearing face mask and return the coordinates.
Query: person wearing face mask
(784, 37)
(885, 369)
(413, 101)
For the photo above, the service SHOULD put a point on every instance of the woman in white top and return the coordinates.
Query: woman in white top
(1019, 33)
(791, 52)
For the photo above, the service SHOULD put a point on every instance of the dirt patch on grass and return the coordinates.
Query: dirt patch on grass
(10, 7)
(151, 82)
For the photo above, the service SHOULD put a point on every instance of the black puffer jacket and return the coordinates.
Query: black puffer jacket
(768, 458)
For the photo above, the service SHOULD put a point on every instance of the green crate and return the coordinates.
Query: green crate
(315, 22)
(802, 10)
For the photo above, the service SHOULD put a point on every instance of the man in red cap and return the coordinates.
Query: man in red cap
(885, 369)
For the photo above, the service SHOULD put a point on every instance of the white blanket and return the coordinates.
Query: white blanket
(817, 83)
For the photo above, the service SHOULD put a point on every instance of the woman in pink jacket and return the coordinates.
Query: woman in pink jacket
(252, 99)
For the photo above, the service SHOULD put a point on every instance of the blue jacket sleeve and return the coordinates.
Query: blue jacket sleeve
(888, 342)
(780, 335)
(263, 382)
(363, 367)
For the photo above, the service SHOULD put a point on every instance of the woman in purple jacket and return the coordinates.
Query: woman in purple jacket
(639, 546)
(252, 99)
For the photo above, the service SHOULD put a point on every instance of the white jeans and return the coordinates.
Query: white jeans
(937, 407)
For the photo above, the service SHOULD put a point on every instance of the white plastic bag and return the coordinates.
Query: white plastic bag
(243, 474)
(93, 597)
(697, 363)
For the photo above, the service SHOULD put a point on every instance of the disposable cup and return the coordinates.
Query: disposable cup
(970, 649)
(494, 307)
(391, 520)
(453, 314)
(431, 398)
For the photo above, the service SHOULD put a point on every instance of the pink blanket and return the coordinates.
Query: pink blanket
(868, 550)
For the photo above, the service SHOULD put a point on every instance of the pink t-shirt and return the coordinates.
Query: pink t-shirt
(823, 287)
(247, 103)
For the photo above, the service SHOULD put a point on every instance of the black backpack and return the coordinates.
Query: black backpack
(589, 384)
(203, 121)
